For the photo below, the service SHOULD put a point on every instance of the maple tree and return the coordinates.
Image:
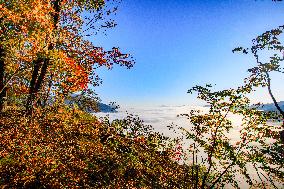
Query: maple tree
(44, 51)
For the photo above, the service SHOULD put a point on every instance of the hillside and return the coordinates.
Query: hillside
(106, 108)
(90, 105)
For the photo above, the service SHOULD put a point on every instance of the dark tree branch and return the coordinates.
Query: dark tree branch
(281, 133)
(2, 79)
(272, 96)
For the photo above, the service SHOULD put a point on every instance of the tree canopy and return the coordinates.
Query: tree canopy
(44, 50)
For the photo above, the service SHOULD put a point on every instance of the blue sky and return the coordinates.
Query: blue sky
(178, 44)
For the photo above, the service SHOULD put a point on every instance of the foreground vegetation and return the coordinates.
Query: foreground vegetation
(67, 148)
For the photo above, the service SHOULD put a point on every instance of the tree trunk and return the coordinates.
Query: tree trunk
(33, 84)
(41, 77)
(41, 66)
(3, 93)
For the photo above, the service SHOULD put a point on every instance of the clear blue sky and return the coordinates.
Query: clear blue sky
(181, 43)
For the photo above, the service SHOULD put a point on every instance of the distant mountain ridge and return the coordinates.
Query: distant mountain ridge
(271, 106)
(265, 107)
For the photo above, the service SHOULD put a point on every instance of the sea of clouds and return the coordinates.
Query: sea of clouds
(162, 116)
